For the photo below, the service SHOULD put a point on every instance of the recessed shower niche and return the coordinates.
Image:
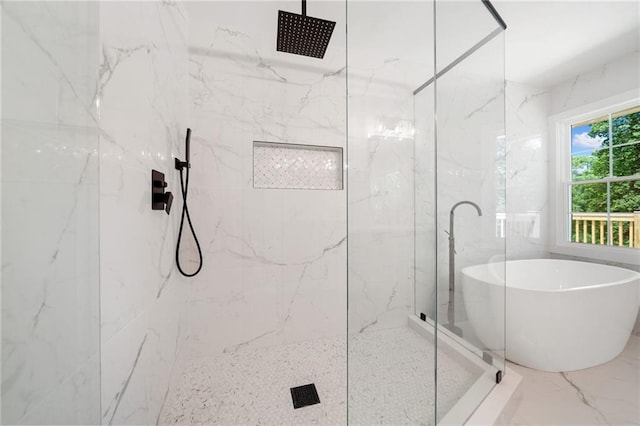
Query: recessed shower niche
(294, 166)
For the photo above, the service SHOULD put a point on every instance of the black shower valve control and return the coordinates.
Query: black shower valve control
(160, 200)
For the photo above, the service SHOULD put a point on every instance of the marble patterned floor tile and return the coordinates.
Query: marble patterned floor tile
(393, 370)
(251, 387)
(391, 379)
(608, 394)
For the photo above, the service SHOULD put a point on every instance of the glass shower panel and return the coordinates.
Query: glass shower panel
(390, 363)
(460, 26)
(470, 201)
(425, 198)
(50, 277)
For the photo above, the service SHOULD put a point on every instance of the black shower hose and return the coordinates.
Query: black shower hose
(184, 186)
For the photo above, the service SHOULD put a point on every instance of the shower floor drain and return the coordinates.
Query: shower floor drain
(304, 395)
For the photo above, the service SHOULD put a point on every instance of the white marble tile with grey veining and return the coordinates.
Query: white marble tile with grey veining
(277, 252)
(50, 303)
(51, 52)
(605, 394)
(527, 170)
(143, 118)
(602, 82)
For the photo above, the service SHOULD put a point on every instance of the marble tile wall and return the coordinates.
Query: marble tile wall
(617, 76)
(50, 282)
(382, 135)
(380, 208)
(382, 77)
(425, 191)
(527, 171)
(143, 98)
(274, 259)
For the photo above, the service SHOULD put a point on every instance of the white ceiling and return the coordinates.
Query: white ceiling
(548, 42)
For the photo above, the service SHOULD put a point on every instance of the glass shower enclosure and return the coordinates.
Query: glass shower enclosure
(410, 99)
(426, 192)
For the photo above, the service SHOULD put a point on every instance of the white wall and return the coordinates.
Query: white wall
(527, 171)
(50, 293)
(90, 91)
(387, 62)
(143, 91)
(274, 259)
(380, 199)
(588, 86)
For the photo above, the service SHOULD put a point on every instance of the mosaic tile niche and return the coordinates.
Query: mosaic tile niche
(293, 166)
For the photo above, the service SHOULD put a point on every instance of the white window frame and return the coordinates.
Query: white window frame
(560, 171)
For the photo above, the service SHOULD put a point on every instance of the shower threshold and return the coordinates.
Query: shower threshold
(495, 398)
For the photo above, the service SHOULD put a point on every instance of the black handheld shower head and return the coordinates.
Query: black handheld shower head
(302, 34)
(187, 152)
(188, 148)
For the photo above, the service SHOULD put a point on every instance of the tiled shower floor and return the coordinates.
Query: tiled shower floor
(391, 382)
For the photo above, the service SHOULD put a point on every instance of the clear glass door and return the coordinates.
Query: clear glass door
(390, 360)
(469, 205)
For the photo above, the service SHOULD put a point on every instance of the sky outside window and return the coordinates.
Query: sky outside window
(581, 142)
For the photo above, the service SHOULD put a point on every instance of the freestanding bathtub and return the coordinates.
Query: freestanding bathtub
(561, 315)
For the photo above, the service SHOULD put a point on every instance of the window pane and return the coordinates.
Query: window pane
(626, 160)
(626, 126)
(588, 161)
(589, 213)
(625, 206)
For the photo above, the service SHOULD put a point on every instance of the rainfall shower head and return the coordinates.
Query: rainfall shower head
(302, 34)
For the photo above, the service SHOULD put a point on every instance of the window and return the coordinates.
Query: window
(605, 180)
(597, 182)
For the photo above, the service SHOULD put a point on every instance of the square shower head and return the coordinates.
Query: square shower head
(303, 35)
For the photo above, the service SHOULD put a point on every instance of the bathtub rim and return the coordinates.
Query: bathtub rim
(633, 275)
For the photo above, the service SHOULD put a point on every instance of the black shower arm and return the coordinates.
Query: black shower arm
(304, 7)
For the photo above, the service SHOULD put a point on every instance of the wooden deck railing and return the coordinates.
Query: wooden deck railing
(592, 228)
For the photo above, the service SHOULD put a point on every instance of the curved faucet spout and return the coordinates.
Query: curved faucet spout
(451, 215)
(455, 206)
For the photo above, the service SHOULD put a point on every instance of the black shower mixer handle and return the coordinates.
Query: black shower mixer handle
(160, 200)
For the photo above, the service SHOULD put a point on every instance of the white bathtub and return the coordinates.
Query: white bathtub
(561, 315)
